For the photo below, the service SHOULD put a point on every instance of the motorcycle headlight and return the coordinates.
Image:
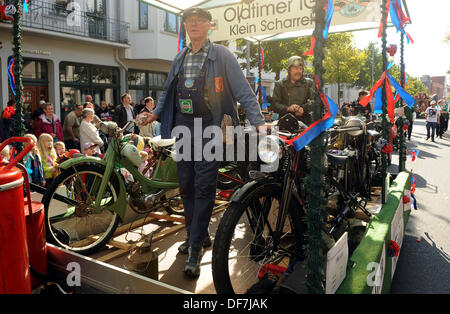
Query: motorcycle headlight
(269, 149)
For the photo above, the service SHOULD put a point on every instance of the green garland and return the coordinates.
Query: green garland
(385, 125)
(402, 144)
(315, 182)
(19, 124)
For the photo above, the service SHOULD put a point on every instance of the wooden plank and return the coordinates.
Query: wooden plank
(163, 234)
(125, 248)
(158, 216)
(134, 224)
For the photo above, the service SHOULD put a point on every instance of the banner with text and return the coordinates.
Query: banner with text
(268, 17)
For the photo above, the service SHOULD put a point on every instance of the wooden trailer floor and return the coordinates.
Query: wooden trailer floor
(168, 234)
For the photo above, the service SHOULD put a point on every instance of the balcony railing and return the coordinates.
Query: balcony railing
(67, 18)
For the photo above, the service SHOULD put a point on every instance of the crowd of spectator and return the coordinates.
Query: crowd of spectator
(79, 133)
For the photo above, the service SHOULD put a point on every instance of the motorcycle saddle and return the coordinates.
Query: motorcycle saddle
(159, 142)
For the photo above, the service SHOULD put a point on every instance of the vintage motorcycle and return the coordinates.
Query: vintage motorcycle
(265, 221)
(86, 202)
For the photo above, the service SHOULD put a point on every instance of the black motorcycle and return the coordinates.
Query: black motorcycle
(265, 225)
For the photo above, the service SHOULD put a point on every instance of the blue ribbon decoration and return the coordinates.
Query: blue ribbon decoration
(396, 13)
(378, 108)
(330, 11)
(311, 133)
(414, 202)
(403, 94)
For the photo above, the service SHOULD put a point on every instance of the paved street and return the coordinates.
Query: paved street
(424, 263)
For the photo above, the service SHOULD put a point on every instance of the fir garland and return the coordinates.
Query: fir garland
(19, 123)
(385, 125)
(315, 209)
(402, 144)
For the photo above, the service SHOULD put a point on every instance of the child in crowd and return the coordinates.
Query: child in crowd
(33, 163)
(48, 157)
(89, 150)
(144, 158)
(60, 149)
(5, 153)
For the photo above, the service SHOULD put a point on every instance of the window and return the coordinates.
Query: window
(97, 7)
(34, 70)
(79, 80)
(143, 15)
(136, 78)
(171, 22)
(142, 84)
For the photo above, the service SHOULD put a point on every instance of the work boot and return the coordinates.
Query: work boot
(192, 264)
(183, 248)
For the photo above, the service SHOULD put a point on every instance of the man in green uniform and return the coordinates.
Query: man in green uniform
(294, 93)
(409, 112)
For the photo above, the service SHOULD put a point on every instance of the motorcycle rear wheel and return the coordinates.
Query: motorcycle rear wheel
(244, 241)
(74, 224)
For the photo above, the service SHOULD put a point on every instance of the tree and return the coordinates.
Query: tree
(342, 61)
(373, 61)
(277, 52)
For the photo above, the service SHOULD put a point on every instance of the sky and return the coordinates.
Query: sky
(430, 24)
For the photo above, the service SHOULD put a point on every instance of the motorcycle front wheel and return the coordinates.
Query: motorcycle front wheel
(71, 220)
(244, 240)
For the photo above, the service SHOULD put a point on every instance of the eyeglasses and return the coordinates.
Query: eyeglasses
(195, 21)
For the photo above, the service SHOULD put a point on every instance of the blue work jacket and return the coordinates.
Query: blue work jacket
(225, 84)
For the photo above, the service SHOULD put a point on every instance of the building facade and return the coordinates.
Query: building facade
(437, 85)
(98, 47)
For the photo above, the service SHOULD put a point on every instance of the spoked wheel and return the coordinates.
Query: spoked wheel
(73, 221)
(244, 240)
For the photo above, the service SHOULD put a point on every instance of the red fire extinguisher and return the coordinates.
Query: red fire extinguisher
(14, 258)
(35, 225)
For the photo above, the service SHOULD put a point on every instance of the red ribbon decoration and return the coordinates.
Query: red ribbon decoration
(274, 269)
(310, 52)
(364, 101)
(390, 100)
(387, 149)
(405, 199)
(393, 249)
(8, 112)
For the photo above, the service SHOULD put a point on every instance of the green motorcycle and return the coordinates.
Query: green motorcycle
(86, 202)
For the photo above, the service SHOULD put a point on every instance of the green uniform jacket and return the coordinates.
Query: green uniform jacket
(285, 94)
(409, 113)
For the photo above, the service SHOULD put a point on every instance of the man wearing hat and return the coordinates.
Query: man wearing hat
(204, 83)
(292, 93)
